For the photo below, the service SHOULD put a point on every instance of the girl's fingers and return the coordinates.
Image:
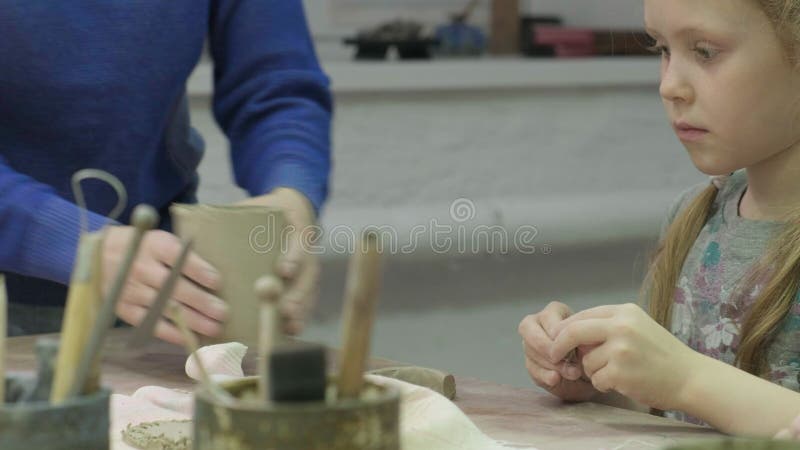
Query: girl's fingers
(536, 342)
(604, 380)
(583, 332)
(542, 360)
(600, 312)
(552, 315)
(542, 377)
(595, 360)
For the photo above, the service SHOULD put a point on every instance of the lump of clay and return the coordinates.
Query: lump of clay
(223, 362)
(162, 435)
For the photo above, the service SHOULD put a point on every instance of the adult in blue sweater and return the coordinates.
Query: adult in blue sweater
(101, 84)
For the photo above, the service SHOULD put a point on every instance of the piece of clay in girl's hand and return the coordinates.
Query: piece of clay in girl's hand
(222, 361)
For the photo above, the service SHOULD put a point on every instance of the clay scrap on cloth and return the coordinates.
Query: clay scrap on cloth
(428, 420)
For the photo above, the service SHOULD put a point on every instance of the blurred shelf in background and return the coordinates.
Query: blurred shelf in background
(473, 74)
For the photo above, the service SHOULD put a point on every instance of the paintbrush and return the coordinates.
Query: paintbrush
(361, 294)
(144, 331)
(143, 219)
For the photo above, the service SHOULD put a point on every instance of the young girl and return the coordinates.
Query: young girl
(725, 279)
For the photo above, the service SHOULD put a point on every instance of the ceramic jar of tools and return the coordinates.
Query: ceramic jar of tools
(370, 422)
(79, 423)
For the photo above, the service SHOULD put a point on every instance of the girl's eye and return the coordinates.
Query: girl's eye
(705, 52)
(652, 45)
(659, 50)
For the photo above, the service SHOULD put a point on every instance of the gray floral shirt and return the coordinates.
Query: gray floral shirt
(710, 306)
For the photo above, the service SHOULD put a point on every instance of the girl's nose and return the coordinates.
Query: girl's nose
(675, 86)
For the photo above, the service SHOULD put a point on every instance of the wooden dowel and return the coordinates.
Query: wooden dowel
(361, 295)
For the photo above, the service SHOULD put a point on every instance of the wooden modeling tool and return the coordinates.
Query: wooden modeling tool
(435, 380)
(361, 294)
(83, 303)
(3, 335)
(268, 290)
(175, 312)
(144, 331)
(143, 219)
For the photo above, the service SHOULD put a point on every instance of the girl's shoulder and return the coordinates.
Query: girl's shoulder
(728, 187)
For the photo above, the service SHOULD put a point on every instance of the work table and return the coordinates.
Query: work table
(517, 416)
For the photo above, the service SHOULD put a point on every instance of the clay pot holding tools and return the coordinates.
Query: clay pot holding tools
(29, 420)
(292, 404)
(370, 422)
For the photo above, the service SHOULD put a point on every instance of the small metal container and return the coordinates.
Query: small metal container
(369, 423)
(82, 423)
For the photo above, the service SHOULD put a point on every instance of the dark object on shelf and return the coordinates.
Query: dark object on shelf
(406, 36)
(527, 26)
(458, 38)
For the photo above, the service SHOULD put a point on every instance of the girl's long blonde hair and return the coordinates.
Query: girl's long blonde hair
(778, 269)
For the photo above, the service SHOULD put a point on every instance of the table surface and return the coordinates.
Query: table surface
(523, 417)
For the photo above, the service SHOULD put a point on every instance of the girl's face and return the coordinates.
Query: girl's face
(730, 91)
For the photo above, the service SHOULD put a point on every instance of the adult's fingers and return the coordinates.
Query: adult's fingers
(198, 322)
(300, 296)
(134, 314)
(153, 274)
(166, 247)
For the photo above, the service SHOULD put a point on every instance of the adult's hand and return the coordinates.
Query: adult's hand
(203, 311)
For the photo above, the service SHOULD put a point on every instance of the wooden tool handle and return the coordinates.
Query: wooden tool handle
(144, 218)
(268, 289)
(361, 294)
(83, 302)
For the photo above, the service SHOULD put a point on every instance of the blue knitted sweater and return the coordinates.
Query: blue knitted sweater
(101, 84)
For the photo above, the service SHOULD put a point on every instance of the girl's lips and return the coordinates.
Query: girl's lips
(689, 133)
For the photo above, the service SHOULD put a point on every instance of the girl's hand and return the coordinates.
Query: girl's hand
(562, 379)
(633, 355)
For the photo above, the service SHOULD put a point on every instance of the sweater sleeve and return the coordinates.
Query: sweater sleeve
(38, 229)
(271, 97)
